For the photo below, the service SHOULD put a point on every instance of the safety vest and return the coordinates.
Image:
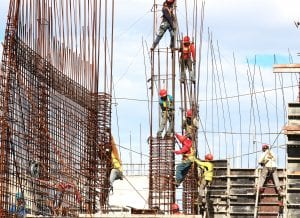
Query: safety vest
(168, 103)
(186, 52)
(207, 168)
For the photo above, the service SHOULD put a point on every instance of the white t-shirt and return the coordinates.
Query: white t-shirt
(268, 158)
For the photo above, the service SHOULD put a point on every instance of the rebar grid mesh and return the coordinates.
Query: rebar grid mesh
(55, 139)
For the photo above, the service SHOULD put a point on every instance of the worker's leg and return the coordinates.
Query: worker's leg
(163, 122)
(182, 170)
(182, 70)
(162, 29)
(202, 189)
(191, 71)
(263, 176)
(113, 176)
(276, 181)
(171, 123)
(172, 36)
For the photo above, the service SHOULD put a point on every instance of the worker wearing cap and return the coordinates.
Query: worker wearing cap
(167, 113)
(268, 162)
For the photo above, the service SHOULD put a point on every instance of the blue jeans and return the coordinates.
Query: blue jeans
(164, 26)
(182, 170)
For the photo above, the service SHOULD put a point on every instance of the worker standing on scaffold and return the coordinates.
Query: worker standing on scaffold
(187, 59)
(116, 172)
(167, 113)
(167, 23)
(268, 162)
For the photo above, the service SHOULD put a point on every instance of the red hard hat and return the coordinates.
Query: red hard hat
(186, 39)
(163, 93)
(265, 146)
(189, 113)
(170, 1)
(181, 138)
(209, 157)
(174, 206)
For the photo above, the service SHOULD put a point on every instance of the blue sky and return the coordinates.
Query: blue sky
(249, 29)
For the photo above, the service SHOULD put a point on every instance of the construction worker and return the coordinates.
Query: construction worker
(206, 169)
(268, 163)
(117, 171)
(19, 209)
(175, 209)
(188, 157)
(187, 59)
(190, 125)
(167, 23)
(167, 113)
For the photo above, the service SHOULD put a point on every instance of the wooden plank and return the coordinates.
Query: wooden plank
(286, 68)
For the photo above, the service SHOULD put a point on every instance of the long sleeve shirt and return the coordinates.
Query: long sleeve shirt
(207, 168)
(168, 15)
(268, 159)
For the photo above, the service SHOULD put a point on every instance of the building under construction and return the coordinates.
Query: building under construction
(56, 106)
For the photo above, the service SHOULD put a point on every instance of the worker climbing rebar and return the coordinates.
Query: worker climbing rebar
(167, 23)
(187, 59)
(190, 124)
(188, 157)
(206, 175)
(167, 113)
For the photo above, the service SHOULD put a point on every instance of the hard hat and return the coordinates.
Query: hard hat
(209, 157)
(181, 138)
(174, 206)
(189, 113)
(163, 93)
(186, 39)
(265, 146)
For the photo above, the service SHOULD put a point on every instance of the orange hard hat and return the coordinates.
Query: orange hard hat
(181, 138)
(209, 157)
(265, 146)
(186, 39)
(163, 93)
(189, 113)
(174, 206)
